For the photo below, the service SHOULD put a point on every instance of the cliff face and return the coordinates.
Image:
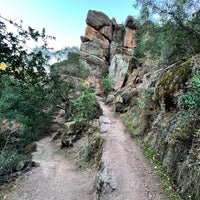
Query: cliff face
(150, 103)
(105, 44)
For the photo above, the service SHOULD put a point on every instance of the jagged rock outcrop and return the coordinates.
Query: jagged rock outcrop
(104, 42)
(119, 67)
(97, 19)
(156, 116)
(130, 26)
(148, 98)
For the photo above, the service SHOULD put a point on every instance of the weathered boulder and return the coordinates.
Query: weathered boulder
(107, 32)
(101, 23)
(105, 124)
(93, 34)
(123, 100)
(96, 48)
(97, 19)
(54, 126)
(110, 98)
(25, 165)
(135, 74)
(71, 131)
(118, 69)
(58, 121)
(30, 148)
(106, 183)
(130, 23)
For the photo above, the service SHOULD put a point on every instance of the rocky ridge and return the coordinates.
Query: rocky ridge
(149, 104)
(107, 47)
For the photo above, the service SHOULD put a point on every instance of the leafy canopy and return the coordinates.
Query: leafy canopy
(169, 29)
(27, 93)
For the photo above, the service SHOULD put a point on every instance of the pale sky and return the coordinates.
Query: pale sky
(64, 19)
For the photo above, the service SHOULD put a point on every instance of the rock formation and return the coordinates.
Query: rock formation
(106, 44)
(150, 100)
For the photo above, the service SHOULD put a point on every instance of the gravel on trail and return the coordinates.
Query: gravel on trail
(125, 175)
(56, 178)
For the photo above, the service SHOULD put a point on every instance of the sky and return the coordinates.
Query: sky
(64, 19)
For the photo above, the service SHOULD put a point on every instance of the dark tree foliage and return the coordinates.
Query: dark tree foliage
(72, 66)
(28, 95)
(169, 29)
(16, 53)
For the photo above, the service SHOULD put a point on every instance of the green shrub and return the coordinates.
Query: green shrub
(107, 84)
(191, 100)
(132, 127)
(28, 95)
(148, 94)
(84, 107)
(73, 66)
(146, 99)
(190, 110)
(26, 103)
(85, 111)
(8, 161)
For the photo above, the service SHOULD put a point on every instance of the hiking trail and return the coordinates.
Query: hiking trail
(125, 175)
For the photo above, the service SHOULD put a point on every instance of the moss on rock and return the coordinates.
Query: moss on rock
(170, 83)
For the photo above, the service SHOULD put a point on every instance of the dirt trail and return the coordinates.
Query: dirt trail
(56, 178)
(126, 174)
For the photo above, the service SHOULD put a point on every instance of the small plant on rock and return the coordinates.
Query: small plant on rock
(84, 107)
(107, 84)
(85, 111)
(191, 100)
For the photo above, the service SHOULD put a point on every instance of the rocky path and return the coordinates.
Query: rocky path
(126, 174)
(56, 178)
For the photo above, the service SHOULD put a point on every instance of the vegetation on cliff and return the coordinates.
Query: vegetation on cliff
(164, 112)
(169, 30)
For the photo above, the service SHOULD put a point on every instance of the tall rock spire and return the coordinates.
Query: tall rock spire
(104, 40)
